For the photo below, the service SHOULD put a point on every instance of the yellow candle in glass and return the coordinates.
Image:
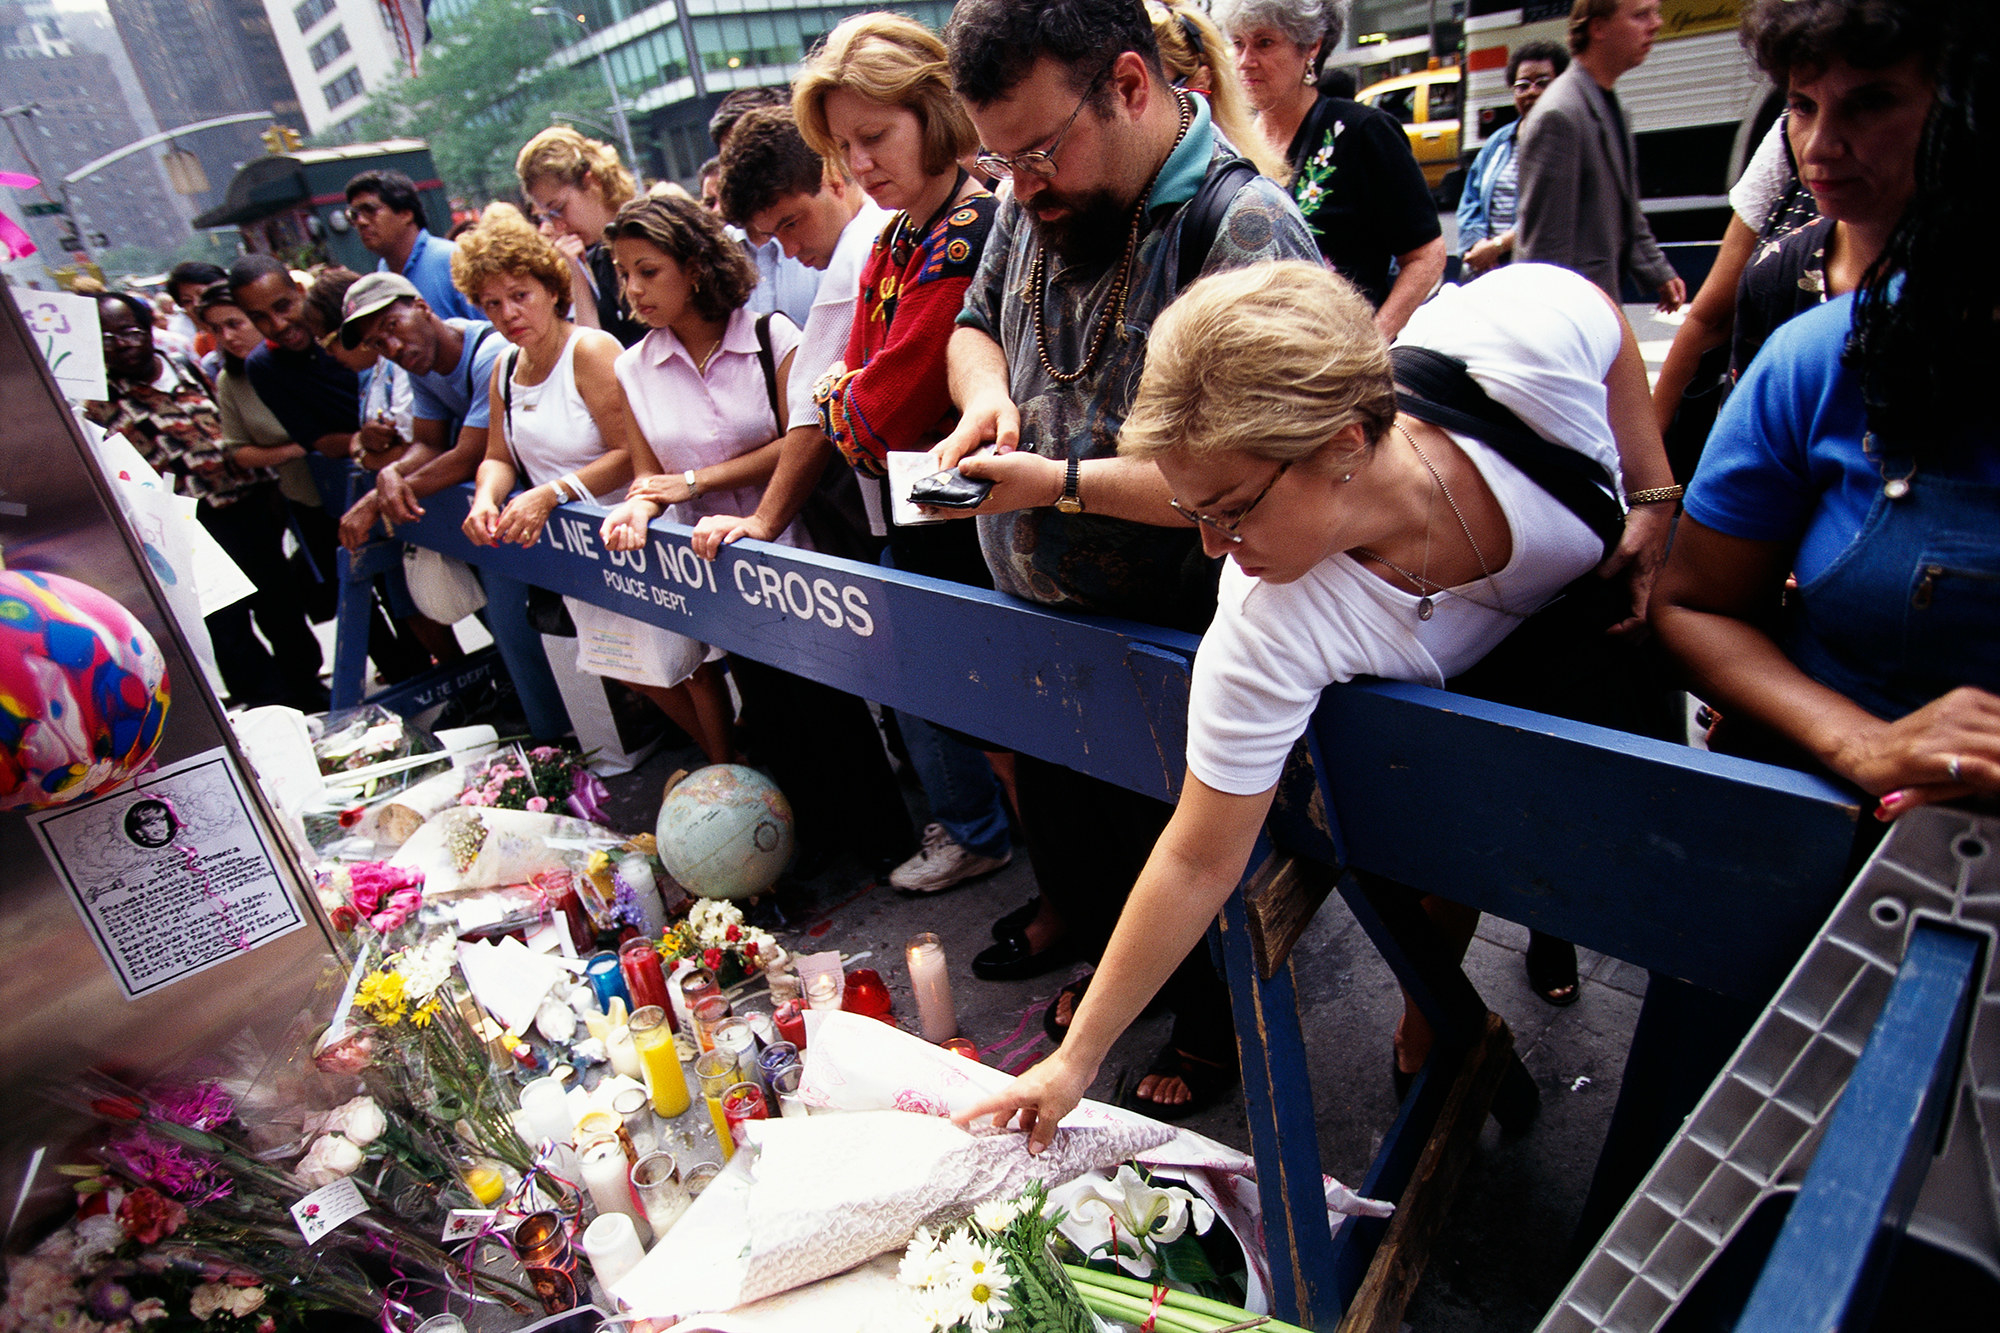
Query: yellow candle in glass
(654, 1041)
(717, 1071)
(486, 1183)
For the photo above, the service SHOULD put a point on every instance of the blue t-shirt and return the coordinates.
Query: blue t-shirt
(460, 394)
(311, 394)
(429, 270)
(1784, 462)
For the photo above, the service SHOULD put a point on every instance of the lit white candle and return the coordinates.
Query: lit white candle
(605, 1175)
(932, 983)
(612, 1243)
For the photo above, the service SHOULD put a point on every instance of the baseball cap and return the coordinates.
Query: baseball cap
(371, 293)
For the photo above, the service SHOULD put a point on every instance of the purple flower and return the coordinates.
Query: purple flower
(108, 1300)
(586, 798)
(204, 1106)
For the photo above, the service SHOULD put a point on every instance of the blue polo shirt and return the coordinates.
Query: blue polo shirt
(429, 271)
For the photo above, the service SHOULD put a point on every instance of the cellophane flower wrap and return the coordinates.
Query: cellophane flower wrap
(411, 1039)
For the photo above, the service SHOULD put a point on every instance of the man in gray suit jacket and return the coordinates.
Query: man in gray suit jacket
(1579, 170)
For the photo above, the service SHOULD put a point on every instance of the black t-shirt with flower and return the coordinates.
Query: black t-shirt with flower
(1361, 191)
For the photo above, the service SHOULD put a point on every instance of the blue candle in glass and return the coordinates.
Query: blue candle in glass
(607, 980)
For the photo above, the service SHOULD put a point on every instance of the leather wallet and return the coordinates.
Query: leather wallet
(949, 490)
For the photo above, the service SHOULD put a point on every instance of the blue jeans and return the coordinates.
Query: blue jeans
(521, 651)
(965, 797)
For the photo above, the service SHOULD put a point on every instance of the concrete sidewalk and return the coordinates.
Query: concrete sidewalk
(1499, 1263)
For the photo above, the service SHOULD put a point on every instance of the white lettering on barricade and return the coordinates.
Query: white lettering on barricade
(793, 595)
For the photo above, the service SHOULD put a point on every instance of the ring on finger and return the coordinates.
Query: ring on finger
(1953, 768)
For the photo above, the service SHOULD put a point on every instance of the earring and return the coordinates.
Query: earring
(1349, 477)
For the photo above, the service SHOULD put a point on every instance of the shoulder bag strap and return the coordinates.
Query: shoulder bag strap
(507, 364)
(1204, 215)
(769, 361)
(1433, 387)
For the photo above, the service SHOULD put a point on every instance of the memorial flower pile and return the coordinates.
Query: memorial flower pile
(714, 934)
(412, 1038)
(545, 780)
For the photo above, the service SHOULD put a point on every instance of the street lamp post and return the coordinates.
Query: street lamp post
(604, 68)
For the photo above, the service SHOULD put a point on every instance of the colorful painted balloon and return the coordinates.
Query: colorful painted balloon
(83, 691)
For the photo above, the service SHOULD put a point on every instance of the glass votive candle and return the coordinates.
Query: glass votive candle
(790, 1020)
(775, 1057)
(606, 979)
(697, 1177)
(485, 1178)
(645, 979)
(823, 991)
(708, 1012)
(600, 1126)
(656, 1179)
(785, 1087)
(734, 1036)
(658, 1056)
(697, 986)
(762, 1025)
(716, 1071)
(634, 1109)
(743, 1103)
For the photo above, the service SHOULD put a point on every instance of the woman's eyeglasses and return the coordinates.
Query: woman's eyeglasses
(1529, 85)
(1227, 524)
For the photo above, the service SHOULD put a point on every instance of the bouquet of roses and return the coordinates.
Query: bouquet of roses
(714, 934)
(544, 779)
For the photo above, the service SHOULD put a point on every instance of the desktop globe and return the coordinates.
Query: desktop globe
(725, 831)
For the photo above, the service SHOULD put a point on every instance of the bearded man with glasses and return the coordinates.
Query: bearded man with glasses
(1102, 160)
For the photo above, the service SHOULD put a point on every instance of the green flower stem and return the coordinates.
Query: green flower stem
(1134, 1310)
(1185, 1302)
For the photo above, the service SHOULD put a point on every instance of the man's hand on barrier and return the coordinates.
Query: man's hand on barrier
(624, 528)
(357, 523)
(398, 501)
(719, 530)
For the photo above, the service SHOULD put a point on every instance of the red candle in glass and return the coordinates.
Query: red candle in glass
(791, 1021)
(743, 1101)
(639, 960)
(866, 994)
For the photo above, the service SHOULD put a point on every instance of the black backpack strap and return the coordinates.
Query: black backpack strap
(1203, 218)
(1433, 387)
(769, 361)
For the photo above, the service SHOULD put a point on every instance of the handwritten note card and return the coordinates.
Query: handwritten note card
(64, 327)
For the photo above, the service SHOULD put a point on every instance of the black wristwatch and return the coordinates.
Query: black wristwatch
(1069, 502)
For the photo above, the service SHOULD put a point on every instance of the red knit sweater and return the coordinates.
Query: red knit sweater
(894, 394)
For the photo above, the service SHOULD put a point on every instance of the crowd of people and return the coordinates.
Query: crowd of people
(1127, 264)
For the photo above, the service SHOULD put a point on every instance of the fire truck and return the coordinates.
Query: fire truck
(1697, 107)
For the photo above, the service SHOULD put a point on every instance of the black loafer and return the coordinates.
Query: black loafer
(1014, 959)
(1016, 920)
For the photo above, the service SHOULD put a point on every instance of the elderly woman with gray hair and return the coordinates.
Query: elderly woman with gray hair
(1353, 174)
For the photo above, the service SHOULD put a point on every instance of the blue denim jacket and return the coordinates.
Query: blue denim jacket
(1474, 225)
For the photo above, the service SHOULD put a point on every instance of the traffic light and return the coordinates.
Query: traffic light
(280, 139)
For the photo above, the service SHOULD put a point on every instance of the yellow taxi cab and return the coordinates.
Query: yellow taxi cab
(1427, 103)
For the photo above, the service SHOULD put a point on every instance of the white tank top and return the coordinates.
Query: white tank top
(550, 426)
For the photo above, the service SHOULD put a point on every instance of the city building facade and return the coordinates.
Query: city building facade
(339, 51)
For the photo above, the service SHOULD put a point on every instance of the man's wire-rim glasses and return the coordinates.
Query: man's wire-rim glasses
(1040, 162)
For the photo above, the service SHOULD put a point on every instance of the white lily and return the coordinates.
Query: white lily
(1129, 1214)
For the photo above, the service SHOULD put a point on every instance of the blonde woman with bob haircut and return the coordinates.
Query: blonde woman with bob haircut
(577, 185)
(562, 425)
(1362, 541)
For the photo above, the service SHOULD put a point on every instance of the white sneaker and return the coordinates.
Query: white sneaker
(940, 863)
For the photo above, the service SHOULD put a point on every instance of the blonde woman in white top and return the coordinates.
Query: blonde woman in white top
(561, 419)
